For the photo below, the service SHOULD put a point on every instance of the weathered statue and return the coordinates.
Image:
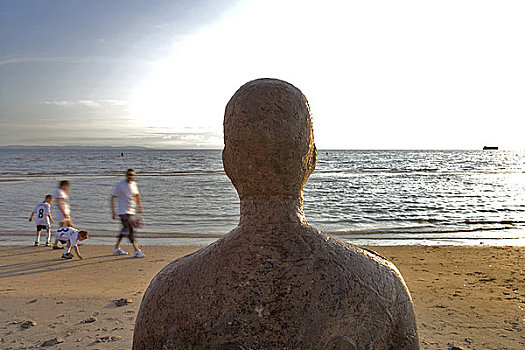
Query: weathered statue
(274, 282)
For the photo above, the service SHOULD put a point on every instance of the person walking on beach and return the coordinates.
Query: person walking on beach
(63, 209)
(127, 195)
(43, 218)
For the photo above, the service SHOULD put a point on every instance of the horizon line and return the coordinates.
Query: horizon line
(196, 148)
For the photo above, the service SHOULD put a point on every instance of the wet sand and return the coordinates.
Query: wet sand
(468, 297)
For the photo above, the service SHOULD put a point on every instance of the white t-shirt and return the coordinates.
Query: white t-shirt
(60, 193)
(126, 200)
(42, 211)
(68, 234)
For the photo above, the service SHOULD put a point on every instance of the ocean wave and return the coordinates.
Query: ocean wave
(387, 171)
(319, 172)
(398, 231)
(492, 222)
(11, 180)
(451, 239)
(8, 175)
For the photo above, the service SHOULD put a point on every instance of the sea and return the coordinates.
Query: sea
(374, 197)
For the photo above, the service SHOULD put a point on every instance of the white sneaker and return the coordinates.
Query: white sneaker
(138, 254)
(118, 251)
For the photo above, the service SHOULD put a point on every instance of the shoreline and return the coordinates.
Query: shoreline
(469, 297)
(196, 239)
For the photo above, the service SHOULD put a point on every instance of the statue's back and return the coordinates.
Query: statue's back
(274, 282)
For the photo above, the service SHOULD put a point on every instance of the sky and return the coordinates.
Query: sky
(377, 74)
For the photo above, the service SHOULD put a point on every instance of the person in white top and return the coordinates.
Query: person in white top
(69, 236)
(43, 217)
(127, 195)
(63, 209)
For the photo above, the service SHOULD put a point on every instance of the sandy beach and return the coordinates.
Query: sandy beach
(467, 297)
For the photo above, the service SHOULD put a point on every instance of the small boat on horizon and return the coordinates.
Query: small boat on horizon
(490, 148)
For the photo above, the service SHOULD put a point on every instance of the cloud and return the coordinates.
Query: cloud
(87, 103)
(114, 102)
(185, 139)
(5, 60)
(80, 132)
(194, 138)
(56, 103)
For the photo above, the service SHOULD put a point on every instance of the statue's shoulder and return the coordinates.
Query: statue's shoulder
(366, 264)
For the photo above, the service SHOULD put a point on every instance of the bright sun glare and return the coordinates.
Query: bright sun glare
(374, 76)
(192, 86)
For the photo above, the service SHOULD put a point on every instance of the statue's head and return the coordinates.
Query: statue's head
(269, 145)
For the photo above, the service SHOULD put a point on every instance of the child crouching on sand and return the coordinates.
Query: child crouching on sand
(43, 217)
(70, 236)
